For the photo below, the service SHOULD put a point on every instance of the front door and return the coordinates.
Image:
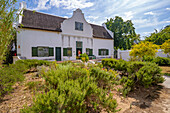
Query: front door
(58, 53)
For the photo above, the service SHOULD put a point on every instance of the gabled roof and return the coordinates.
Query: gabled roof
(100, 32)
(37, 20)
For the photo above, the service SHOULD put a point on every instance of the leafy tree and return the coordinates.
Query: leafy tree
(159, 37)
(124, 32)
(7, 18)
(166, 46)
(144, 49)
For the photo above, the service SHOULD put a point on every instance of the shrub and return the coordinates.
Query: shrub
(134, 67)
(144, 48)
(103, 78)
(137, 74)
(34, 62)
(84, 57)
(141, 74)
(120, 65)
(72, 89)
(149, 74)
(148, 58)
(162, 61)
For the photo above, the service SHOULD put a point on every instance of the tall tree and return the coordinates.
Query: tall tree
(159, 37)
(7, 18)
(124, 32)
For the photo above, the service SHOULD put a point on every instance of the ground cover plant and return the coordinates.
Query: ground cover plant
(12, 73)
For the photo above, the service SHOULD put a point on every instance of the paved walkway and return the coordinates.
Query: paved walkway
(167, 81)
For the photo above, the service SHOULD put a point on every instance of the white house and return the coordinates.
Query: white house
(50, 37)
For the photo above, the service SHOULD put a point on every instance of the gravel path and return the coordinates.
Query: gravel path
(167, 82)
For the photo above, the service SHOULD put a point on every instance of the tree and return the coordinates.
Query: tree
(7, 18)
(166, 46)
(159, 37)
(144, 49)
(124, 32)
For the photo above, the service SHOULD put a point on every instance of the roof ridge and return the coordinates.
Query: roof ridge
(97, 25)
(44, 13)
(57, 16)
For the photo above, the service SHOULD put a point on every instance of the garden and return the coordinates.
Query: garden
(79, 87)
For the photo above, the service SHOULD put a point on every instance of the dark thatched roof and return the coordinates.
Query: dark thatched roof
(37, 20)
(42, 21)
(100, 32)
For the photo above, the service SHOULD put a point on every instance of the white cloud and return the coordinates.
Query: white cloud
(128, 15)
(147, 33)
(167, 8)
(66, 4)
(149, 13)
(140, 21)
(71, 4)
(42, 5)
(151, 24)
(93, 17)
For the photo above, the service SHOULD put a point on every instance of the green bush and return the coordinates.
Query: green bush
(138, 73)
(34, 62)
(134, 67)
(120, 65)
(72, 89)
(103, 78)
(84, 57)
(148, 58)
(162, 61)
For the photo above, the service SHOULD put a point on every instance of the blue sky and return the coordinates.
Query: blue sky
(146, 15)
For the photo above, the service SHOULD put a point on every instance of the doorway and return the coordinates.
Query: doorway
(58, 53)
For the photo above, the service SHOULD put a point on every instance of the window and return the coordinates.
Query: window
(78, 44)
(89, 51)
(79, 26)
(42, 51)
(103, 52)
(67, 51)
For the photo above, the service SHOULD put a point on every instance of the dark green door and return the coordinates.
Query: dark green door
(58, 53)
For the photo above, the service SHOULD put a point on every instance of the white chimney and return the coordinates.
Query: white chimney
(23, 5)
(110, 32)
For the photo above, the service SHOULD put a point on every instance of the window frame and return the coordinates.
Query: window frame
(36, 50)
(103, 52)
(67, 50)
(78, 26)
(90, 51)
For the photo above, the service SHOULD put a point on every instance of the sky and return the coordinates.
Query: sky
(146, 15)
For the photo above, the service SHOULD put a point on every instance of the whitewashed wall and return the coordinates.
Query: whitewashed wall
(68, 25)
(28, 38)
(103, 44)
(66, 42)
(124, 54)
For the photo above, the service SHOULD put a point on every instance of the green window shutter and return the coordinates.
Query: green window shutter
(51, 51)
(64, 51)
(34, 51)
(91, 52)
(107, 52)
(99, 51)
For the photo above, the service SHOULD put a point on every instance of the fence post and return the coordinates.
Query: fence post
(118, 53)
